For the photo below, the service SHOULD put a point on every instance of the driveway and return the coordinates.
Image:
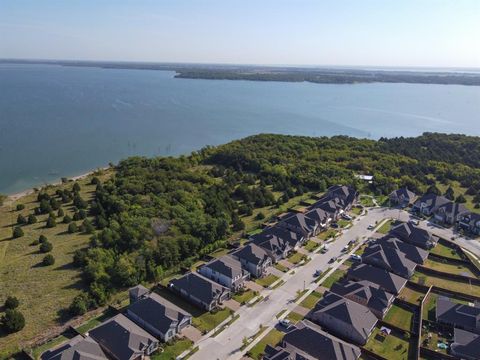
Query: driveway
(227, 345)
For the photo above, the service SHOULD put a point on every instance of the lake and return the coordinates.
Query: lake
(63, 121)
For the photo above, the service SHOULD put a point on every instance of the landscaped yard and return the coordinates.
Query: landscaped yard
(356, 210)
(333, 278)
(311, 245)
(446, 251)
(343, 223)
(388, 346)
(385, 228)
(170, 352)
(266, 281)
(209, 320)
(444, 283)
(325, 235)
(310, 301)
(295, 258)
(244, 297)
(411, 295)
(448, 268)
(280, 267)
(272, 339)
(294, 317)
(400, 317)
(429, 307)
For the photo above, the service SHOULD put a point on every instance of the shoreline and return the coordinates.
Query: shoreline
(18, 195)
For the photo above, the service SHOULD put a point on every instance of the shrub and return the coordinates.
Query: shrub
(13, 321)
(11, 303)
(17, 232)
(76, 187)
(67, 219)
(260, 216)
(51, 222)
(32, 219)
(20, 207)
(42, 239)
(79, 305)
(460, 199)
(72, 228)
(46, 247)
(60, 212)
(21, 220)
(48, 260)
(95, 181)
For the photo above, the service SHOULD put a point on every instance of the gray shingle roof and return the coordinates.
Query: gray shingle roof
(405, 193)
(319, 215)
(453, 209)
(390, 259)
(431, 201)
(412, 252)
(310, 340)
(138, 291)
(252, 253)
(359, 317)
(199, 286)
(466, 344)
(276, 238)
(374, 297)
(121, 337)
(78, 348)
(228, 266)
(300, 221)
(386, 280)
(414, 235)
(450, 312)
(158, 312)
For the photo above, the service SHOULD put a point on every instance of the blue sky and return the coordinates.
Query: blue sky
(437, 33)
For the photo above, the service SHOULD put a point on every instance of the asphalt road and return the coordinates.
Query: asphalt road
(228, 343)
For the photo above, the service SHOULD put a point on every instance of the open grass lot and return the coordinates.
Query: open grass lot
(272, 338)
(266, 281)
(389, 346)
(173, 350)
(448, 268)
(446, 251)
(43, 291)
(244, 297)
(333, 278)
(295, 258)
(411, 295)
(399, 317)
(210, 320)
(444, 283)
(385, 228)
(311, 245)
(310, 301)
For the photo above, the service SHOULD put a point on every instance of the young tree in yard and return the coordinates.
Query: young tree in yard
(11, 302)
(17, 232)
(46, 247)
(42, 239)
(51, 222)
(48, 260)
(13, 321)
(32, 219)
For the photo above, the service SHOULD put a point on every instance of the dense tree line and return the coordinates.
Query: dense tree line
(159, 214)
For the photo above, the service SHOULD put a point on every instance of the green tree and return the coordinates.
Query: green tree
(21, 220)
(46, 247)
(51, 222)
(450, 194)
(460, 199)
(60, 212)
(433, 190)
(72, 228)
(42, 239)
(67, 219)
(11, 302)
(76, 187)
(13, 321)
(20, 207)
(17, 232)
(32, 219)
(79, 305)
(48, 260)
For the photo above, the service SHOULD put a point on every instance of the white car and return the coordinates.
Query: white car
(371, 227)
(285, 323)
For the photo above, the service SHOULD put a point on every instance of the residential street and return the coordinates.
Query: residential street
(227, 344)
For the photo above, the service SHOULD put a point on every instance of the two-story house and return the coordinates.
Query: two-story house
(226, 271)
(254, 259)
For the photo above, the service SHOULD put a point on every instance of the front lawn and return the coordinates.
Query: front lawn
(272, 338)
(311, 245)
(357, 210)
(173, 350)
(295, 258)
(266, 281)
(389, 346)
(400, 317)
(333, 278)
(385, 228)
(244, 297)
(280, 267)
(325, 235)
(310, 301)
(294, 317)
(209, 320)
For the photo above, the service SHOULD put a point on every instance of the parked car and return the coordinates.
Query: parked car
(334, 225)
(346, 217)
(285, 323)
(414, 222)
(318, 273)
(332, 260)
(371, 227)
(345, 248)
(324, 249)
(356, 257)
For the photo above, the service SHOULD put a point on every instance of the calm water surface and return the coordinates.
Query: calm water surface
(62, 121)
